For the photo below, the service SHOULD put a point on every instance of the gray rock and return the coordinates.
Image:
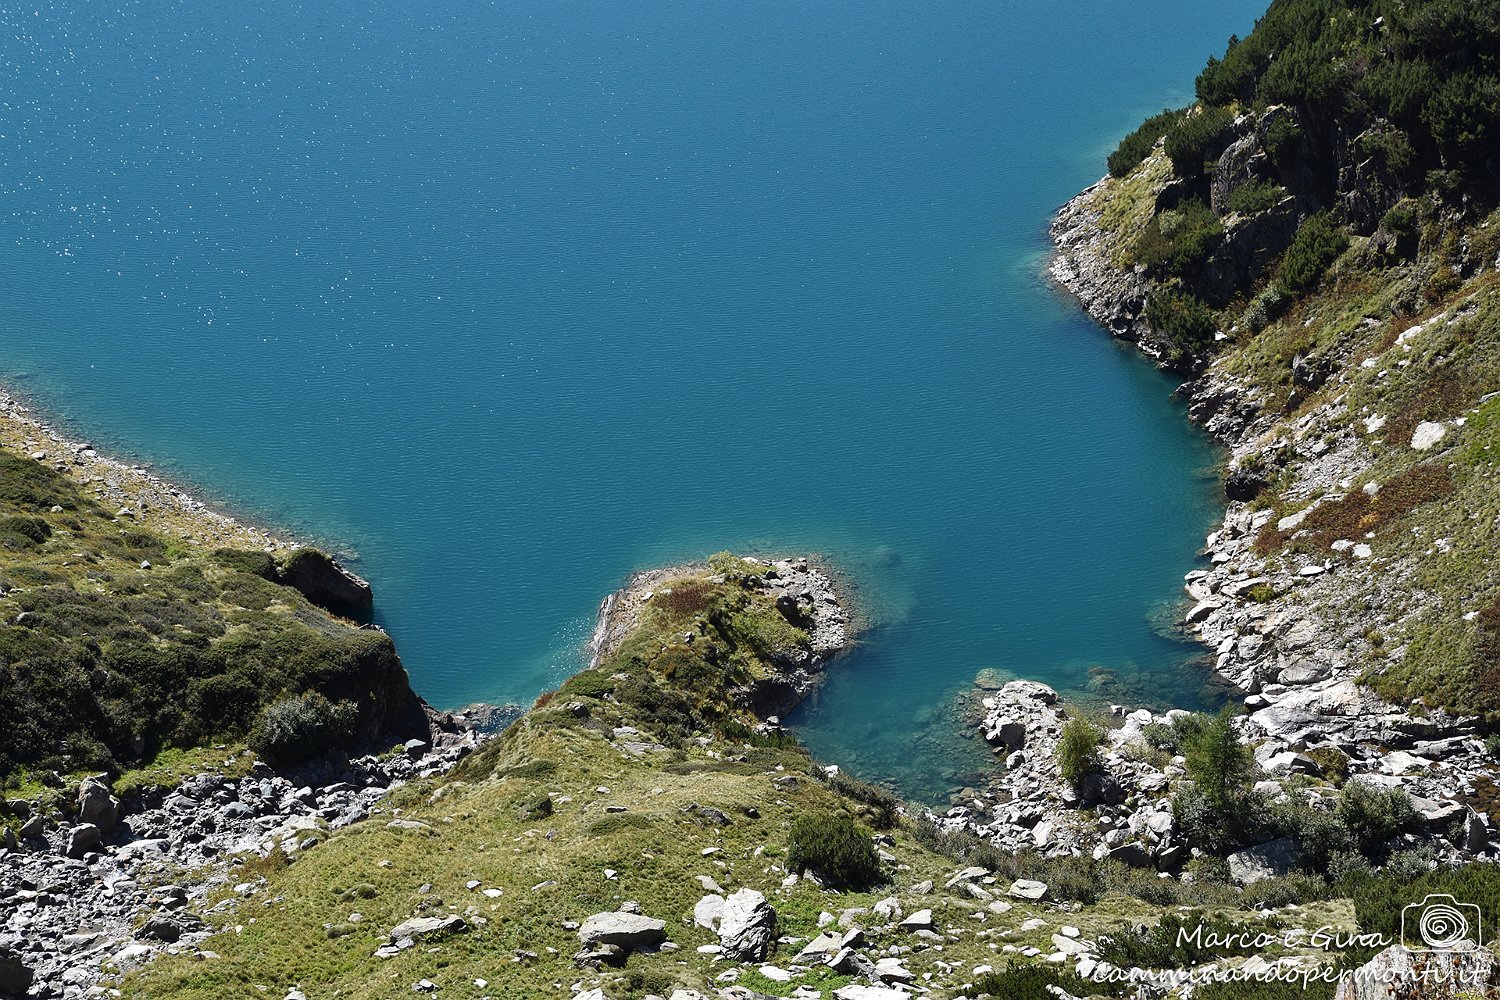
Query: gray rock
(819, 949)
(1476, 834)
(15, 975)
(708, 911)
(1096, 788)
(919, 921)
(161, 928)
(629, 931)
(426, 927)
(1263, 861)
(97, 805)
(1133, 855)
(1025, 888)
(1007, 733)
(1305, 670)
(1173, 857)
(82, 839)
(748, 926)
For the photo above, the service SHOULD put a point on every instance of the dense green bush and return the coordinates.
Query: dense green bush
(1318, 244)
(1374, 815)
(1031, 981)
(1256, 196)
(1316, 988)
(29, 529)
(832, 846)
(1267, 306)
(1177, 241)
(1379, 902)
(1432, 68)
(1176, 942)
(301, 726)
(1283, 138)
(1078, 751)
(1136, 146)
(1190, 138)
(1184, 321)
(1320, 835)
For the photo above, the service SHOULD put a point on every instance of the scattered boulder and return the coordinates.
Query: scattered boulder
(1263, 861)
(708, 911)
(628, 931)
(427, 927)
(15, 976)
(97, 805)
(748, 926)
(919, 921)
(82, 839)
(161, 928)
(1030, 889)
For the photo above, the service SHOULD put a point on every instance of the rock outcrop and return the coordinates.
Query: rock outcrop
(319, 578)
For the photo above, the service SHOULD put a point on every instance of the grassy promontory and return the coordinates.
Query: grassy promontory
(138, 628)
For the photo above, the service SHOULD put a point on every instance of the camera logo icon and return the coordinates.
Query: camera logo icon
(1441, 923)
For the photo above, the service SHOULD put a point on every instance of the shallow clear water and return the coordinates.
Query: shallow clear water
(507, 300)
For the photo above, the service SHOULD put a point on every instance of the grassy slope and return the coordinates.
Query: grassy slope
(302, 934)
(102, 612)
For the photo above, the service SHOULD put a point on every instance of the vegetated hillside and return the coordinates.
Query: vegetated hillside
(640, 831)
(118, 642)
(1316, 242)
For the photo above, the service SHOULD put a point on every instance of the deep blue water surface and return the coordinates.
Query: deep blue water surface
(509, 299)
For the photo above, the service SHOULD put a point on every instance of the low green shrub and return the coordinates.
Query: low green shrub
(1176, 241)
(832, 846)
(882, 807)
(1078, 751)
(1265, 308)
(1185, 321)
(1031, 981)
(1316, 988)
(1256, 196)
(1318, 244)
(1181, 940)
(1374, 815)
(301, 726)
(1191, 137)
(1136, 146)
(31, 529)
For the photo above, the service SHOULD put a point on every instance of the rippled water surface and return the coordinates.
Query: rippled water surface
(508, 299)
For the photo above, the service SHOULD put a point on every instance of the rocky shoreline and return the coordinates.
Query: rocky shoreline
(1271, 623)
(109, 885)
(134, 490)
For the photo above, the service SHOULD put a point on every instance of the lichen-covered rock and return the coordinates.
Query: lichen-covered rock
(748, 926)
(629, 931)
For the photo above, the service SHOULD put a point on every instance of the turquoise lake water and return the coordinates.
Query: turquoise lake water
(503, 301)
